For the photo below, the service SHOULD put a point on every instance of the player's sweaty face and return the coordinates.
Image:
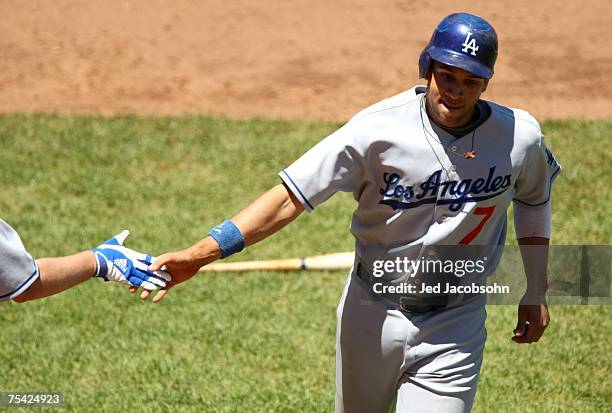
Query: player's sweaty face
(452, 95)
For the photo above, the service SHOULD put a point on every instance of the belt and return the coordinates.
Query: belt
(416, 304)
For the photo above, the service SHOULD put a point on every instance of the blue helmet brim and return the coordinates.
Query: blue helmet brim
(461, 61)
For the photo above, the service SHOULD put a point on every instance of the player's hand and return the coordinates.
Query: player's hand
(533, 319)
(114, 262)
(181, 265)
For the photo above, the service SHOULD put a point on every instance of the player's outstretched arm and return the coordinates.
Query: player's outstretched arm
(263, 217)
(110, 261)
(533, 317)
(59, 274)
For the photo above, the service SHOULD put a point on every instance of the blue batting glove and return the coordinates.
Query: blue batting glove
(114, 262)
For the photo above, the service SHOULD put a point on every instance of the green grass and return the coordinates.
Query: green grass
(261, 342)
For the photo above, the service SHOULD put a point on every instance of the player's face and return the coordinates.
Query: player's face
(452, 94)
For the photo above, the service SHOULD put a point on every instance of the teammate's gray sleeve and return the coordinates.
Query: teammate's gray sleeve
(534, 183)
(334, 164)
(18, 270)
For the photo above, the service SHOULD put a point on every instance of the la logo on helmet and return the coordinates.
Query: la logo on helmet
(470, 44)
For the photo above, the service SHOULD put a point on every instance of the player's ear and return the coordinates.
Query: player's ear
(484, 87)
(428, 76)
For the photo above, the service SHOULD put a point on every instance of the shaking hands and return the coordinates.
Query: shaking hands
(114, 262)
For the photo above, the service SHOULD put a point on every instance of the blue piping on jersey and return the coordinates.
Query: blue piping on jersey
(298, 189)
(35, 273)
(408, 205)
(549, 190)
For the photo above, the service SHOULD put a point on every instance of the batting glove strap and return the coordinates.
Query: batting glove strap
(101, 265)
(229, 238)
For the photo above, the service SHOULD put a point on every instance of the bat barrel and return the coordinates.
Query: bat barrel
(336, 261)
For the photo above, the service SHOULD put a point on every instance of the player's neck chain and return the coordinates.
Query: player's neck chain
(471, 154)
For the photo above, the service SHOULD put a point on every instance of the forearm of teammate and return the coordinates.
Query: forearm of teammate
(59, 274)
(263, 217)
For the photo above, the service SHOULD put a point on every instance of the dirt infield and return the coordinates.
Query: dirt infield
(316, 59)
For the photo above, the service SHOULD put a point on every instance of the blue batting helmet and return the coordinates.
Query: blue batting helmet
(464, 41)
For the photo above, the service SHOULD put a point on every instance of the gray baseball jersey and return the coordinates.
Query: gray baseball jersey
(416, 186)
(415, 183)
(18, 270)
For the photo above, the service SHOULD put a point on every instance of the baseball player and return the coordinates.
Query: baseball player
(23, 279)
(432, 166)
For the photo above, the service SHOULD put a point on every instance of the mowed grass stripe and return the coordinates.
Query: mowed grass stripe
(257, 342)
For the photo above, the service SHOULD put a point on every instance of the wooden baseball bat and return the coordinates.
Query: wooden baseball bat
(336, 261)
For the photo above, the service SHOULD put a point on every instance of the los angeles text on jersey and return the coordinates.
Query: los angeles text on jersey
(400, 196)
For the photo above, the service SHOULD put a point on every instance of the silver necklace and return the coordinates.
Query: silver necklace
(471, 154)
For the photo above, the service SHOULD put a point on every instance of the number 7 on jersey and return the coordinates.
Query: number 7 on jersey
(486, 212)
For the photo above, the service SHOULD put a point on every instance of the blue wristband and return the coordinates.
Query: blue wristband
(229, 238)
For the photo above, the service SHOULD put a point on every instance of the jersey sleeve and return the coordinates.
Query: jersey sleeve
(334, 164)
(18, 270)
(534, 183)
